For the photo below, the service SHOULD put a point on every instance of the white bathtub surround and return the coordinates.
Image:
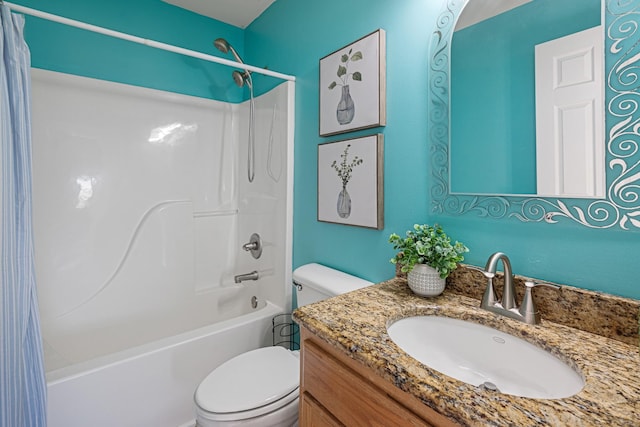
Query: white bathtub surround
(140, 211)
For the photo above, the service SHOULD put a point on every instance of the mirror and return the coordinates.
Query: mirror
(498, 64)
(620, 204)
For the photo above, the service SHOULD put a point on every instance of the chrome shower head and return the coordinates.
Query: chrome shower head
(241, 78)
(223, 46)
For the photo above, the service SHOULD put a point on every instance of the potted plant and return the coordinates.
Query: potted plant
(428, 256)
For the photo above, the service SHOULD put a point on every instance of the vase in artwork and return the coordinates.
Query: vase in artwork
(344, 203)
(346, 108)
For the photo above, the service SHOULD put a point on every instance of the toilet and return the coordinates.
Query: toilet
(261, 387)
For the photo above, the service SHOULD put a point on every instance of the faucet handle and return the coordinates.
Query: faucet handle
(489, 297)
(487, 274)
(528, 308)
(254, 246)
(530, 284)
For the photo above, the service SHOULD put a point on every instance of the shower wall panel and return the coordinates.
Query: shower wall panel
(263, 204)
(135, 207)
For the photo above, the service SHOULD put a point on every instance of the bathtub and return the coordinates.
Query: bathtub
(152, 384)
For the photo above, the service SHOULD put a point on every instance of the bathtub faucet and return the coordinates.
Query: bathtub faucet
(248, 276)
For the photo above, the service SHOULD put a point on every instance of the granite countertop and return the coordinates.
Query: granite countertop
(356, 323)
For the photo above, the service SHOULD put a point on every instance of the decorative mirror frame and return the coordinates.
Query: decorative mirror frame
(621, 206)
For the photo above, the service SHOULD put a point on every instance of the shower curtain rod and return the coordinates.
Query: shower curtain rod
(146, 42)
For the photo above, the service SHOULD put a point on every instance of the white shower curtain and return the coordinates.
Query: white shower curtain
(22, 381)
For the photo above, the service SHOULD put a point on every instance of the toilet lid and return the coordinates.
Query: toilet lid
(250, 380)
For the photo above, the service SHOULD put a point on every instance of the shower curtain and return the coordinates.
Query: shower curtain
(22, 381)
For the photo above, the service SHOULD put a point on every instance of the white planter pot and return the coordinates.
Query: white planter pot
(425, 281)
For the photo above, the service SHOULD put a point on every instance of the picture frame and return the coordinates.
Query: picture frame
(353, 86)
(351, 182)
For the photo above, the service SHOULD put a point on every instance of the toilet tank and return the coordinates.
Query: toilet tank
(315, 282)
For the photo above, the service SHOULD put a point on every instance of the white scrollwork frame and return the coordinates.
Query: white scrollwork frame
(622, 66)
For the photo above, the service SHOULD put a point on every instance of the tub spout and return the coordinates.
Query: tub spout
(248, 276)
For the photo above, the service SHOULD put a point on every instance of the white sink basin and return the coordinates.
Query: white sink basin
(485, 357)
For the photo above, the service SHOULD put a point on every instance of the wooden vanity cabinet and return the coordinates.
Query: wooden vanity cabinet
(336, 390)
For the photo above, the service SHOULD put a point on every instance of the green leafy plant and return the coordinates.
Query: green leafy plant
(344, 168)
(426, 244)
(343, 69)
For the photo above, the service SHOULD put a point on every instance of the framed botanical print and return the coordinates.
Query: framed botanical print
(350, 182)
(353, 86)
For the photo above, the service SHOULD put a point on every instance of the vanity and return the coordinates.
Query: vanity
(352, 373)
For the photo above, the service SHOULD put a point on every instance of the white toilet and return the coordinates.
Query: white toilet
(261, 387)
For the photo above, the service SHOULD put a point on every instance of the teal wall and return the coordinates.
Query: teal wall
(493, 63)
(290, 37)
(70, 50)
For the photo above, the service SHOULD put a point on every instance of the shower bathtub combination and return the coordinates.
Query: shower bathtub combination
(141, 209)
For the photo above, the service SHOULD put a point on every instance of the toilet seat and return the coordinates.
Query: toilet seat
(280, 405)
(249, 385)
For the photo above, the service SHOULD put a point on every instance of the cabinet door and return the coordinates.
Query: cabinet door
(349, 397)
(314, 415)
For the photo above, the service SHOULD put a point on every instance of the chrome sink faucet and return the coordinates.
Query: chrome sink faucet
(506, 306)
(489, 299)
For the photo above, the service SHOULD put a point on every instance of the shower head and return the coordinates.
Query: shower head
(223, 46)
(241, 78)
